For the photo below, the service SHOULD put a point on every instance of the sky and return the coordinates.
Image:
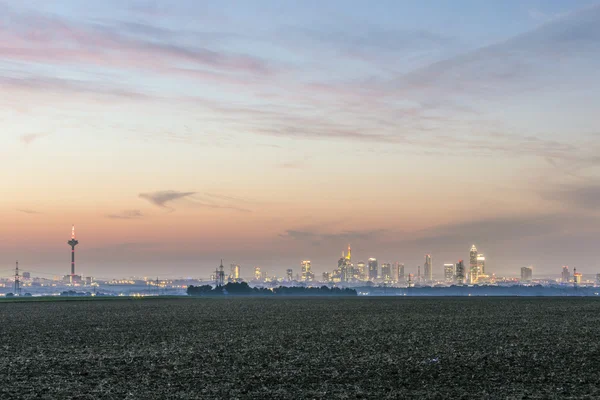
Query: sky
(174, 134)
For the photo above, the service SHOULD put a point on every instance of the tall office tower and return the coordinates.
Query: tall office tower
(257, 274)
(418, 273)
(481, 264)
(73, 242)
(373, 269)
(386, 272)
(566, 275)
(473, 264)
(307, 274)
(449, 273)
(576, 276)
(349, 255)
(526, 274)
(234, 272)
(395, 272)
(400, 272)
(460, 272)
(360, 271)
(427, 269)
(597, 278)
(289, 274)
(326, 276)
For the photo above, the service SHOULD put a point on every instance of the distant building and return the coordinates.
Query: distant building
(597, 279)
(526, 274)
(460, 272)
(307, 274)
(234, 272)
(373, 269)
(481, 265)
(565, 275)
(449, 272)
(26, 275)
(473, 275)
(326, 276)
(576, 276)
(386, 272)
(289, 274)
(258, 274)
(400, 272)
(360, 273)
(428, 269)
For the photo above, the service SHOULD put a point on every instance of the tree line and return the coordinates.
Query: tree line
(243, 289)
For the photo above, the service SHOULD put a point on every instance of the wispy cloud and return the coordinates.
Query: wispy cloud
(319, 238)
(28, 211)
(32, 137)
(127, 214)
(164, 197)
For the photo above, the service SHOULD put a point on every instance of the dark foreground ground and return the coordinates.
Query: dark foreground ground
(301, 348)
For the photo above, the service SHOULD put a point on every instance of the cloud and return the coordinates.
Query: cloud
(28, 211)
(32, 137)
(162, 198)
(207, 200)
(40, 37)
(319, 238)
(127, 214)
(584, 195)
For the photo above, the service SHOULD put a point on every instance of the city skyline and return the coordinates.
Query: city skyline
(267, 134)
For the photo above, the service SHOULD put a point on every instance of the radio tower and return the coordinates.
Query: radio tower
(17, 281)
(73, 242)
(220, 275)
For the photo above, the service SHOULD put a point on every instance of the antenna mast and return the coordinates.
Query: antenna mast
(17, 281)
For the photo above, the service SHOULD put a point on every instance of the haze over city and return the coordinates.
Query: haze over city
(266, 133)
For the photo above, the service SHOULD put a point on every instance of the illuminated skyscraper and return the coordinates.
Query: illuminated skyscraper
(576, 276)
(360, 272)
(566, 275)
(373, 269)
(460, 272)
(257, 274)
(400, 272)
(526, 274)
(307, 275)
(326, 276)
(234, 272)
(449, 272)
(386, 272)
(481, 264)
(289, 275)
(473, 273)
(427, 269)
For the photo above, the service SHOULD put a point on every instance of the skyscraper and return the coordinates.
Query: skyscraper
(526, 274)
(400, 272)
(427, 269)
(386, 272)
(481, 264)
(360, 272)
(373, 269)
(307, 275)
(566, 275)
(473, 273)
(460, 272)
(234, 272)
(257, 274)
(289, 275)
(449, 272)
